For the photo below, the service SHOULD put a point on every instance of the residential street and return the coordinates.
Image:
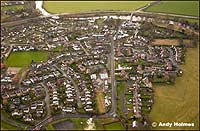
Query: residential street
(75, 85)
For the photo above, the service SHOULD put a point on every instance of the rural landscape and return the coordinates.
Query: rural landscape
(99, 65)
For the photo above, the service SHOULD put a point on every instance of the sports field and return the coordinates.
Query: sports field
(80, 6)
(179, 102)
(21, 59)
(176, 7)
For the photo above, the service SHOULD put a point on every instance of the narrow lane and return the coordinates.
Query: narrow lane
(47, 99)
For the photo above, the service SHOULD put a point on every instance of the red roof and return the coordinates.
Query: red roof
(3, 65)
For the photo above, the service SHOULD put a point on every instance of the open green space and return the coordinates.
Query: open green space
(176, 7)
(192, 21)
(59, 48)
(12, 7)
(114, 126)
(179, 102)
(11, 124)
(50, 127)
(80, 6)
(7, 126)
(121, 86)
(24, 58)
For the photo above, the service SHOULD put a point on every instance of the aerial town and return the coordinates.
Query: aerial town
(88, 59)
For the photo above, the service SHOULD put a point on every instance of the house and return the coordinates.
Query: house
(88, 108)
(16, 112)
(39, 111)
(33, 106)
(26, 110)
(93, 76)
(28, 117)
(134, 124)
(67, 109)
(40, 103)
(104, 75)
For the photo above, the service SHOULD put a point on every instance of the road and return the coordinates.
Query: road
(47, 99)
(167, 14)
(172, 58)
(13, 122)
(112, 76)
(73, 82)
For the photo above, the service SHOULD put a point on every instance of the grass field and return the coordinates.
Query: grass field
(79, 6)
(176, 7)
(179, 102)
(22, 59)
(12, 7)
(193, 21)
(100, 101)
(177, 28)
(114, 126)
(7, 126)
(120, 88)
(165, 42)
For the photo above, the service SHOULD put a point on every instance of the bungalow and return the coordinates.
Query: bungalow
(104, 75)
(55, 102)
(88, 103)
(28, 117)
(39, 111)
(40, 103)
(26, 110)
(88, 108)
(33, 106)
(16, 112)
(67, 109)
(16, 101)
(93, 76)
(70, 100)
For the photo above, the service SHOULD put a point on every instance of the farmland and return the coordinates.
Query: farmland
(176, 7)
(179, 102)
(77, 6)
(21, 59)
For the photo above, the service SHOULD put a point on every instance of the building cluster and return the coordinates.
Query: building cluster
(81, 67)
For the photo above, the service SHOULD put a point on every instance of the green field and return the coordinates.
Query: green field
(120, 89)
(79, 6)
(7, 126)
(114, 126)
(176, 7)
(12, 7)
(192, 21)
(179, 102)
(21, 59)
